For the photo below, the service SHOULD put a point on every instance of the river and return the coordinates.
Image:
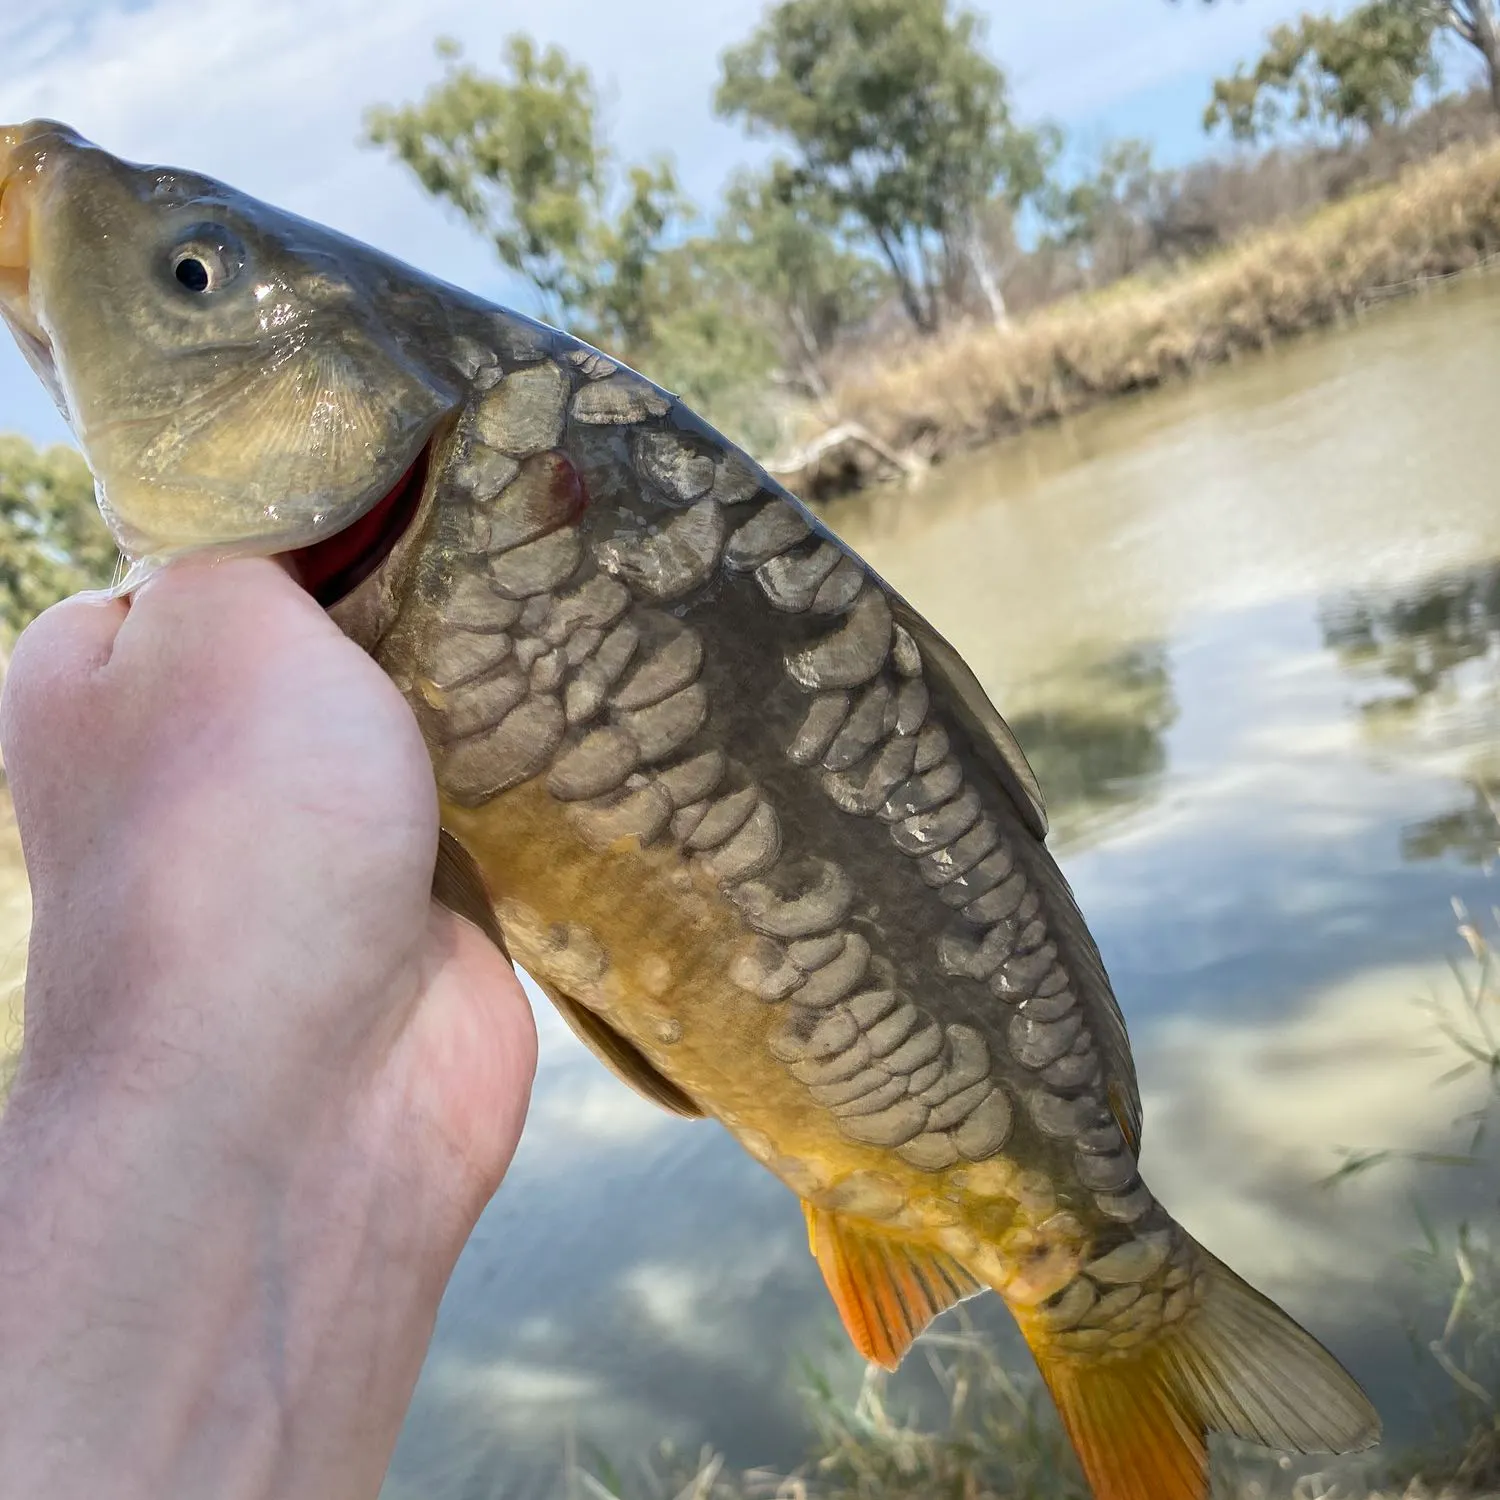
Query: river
(1248, 630)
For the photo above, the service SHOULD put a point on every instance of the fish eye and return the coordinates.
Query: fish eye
(205, 259)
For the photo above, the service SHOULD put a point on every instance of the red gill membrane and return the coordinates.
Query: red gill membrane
(336, 566)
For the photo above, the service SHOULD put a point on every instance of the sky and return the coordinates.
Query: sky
(268, 95)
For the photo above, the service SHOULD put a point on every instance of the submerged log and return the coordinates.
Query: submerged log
(848, 456)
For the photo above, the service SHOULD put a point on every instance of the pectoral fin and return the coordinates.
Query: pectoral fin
(621, 1056)
(458, 884)
(886, 1291)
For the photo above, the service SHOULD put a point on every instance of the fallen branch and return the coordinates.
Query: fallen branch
(842, 438)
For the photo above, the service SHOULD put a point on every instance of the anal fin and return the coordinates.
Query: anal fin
(886, 1290)
(620, 1055)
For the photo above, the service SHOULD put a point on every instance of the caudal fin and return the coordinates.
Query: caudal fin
(1235, 1364)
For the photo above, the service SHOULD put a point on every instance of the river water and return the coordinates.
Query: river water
(1248, 630)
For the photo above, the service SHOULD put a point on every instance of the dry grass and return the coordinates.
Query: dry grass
(1441, 218)
(997, 1439)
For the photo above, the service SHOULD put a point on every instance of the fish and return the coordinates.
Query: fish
(746, 817)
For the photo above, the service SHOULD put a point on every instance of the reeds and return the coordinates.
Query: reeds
(1439, 219)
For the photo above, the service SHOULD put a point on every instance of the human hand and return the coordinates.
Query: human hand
(267, 1086)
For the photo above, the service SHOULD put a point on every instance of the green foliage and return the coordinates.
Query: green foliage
(782, 240)
(896, 119)
(764, 292)
(1357, 71)
(522, 158)
(52, 540)
(1106, 217)
(1475, 23)
(711, 341)
(714, 315)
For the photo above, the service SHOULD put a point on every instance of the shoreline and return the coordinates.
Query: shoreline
(1436, 223)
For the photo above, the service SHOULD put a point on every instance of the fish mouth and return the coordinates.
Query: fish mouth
(19, 169)
(333, 568)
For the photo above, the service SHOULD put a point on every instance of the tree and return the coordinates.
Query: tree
(713, 315)
(1358, 71)
(783, 241)
(754, 302)
(52, 540)
(521, 157)
(1476, 23)
(1109, 216)
(897, 120)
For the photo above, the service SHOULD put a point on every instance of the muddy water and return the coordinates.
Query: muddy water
(1249, 632)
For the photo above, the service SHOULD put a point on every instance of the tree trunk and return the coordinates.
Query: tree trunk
(1475, 21)
(984, 274)
(904, 283)
(811, 371)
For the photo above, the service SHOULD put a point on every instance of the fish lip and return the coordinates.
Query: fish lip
(332, 568)
(18, 315)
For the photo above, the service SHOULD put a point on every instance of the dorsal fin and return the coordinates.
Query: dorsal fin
(993, 737)
(620, 1055)
(886, 1291)
(1096, 995)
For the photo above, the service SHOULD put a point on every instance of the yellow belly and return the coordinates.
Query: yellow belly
(647, 942)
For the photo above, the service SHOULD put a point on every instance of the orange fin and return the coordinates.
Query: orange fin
(886, 1291)
(1139, 1420)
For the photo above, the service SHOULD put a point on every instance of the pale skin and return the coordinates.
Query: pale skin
(267, 1086)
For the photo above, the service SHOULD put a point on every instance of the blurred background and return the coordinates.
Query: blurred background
(1150, 349)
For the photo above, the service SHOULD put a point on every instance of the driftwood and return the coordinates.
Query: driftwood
(845, 447)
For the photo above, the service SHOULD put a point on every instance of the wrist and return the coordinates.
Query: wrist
(231, 1322)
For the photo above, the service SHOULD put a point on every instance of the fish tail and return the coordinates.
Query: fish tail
(1139, 1418)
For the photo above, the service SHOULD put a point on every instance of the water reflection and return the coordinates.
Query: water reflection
(1411, 645)
(1424, 665)
(1099, 754)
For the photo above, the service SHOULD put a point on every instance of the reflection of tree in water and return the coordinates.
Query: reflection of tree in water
(1099, 753)
(1470, 834)
(1426, 662)
(1410, 645)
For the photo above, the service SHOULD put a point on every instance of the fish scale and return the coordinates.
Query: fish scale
(746, 817)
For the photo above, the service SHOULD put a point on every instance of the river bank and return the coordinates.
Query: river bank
(1438, 220)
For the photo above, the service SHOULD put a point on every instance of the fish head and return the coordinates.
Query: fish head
(240, 380)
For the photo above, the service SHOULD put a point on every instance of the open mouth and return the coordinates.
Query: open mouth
(336, 566)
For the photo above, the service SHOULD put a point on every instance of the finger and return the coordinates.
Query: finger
(50, 688)
(204, 618)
